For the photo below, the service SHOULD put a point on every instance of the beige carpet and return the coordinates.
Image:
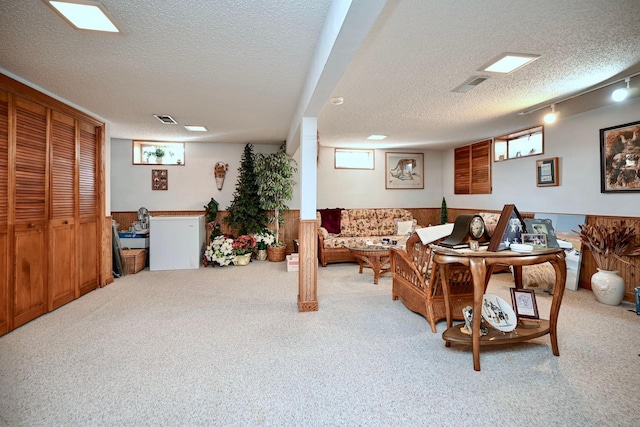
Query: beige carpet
(227, 347)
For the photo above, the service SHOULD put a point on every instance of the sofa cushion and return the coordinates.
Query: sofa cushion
(331, 219)
(403, 227)
(362, 222)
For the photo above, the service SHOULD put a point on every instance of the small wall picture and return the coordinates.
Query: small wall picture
(538, 241)
(524, 303)
(547, 172)
(159, 179)
(404, 170)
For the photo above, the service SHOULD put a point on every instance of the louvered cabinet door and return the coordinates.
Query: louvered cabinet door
(4, 212)
(30, 249)
(62, 225)
(88, 230)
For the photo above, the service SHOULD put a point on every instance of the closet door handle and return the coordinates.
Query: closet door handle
(66, 222)
(32, 225)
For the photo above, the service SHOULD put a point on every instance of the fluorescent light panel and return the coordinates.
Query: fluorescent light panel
(193, 128)
(85, 15)
(377, 137)
(510, 62)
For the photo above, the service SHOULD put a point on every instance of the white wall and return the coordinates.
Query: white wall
(191, 186)
(575, 141)
(348, 188)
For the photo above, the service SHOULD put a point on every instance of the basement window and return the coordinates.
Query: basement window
(158, 153)
(354, 158)
(524, 143)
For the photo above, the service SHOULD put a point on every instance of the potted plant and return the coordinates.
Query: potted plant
(219, 251)
(608, 245)
(263, 240)
(243, 247)
(159, 153)
(275, 188)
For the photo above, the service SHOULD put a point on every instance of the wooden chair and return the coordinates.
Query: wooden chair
(416, 282)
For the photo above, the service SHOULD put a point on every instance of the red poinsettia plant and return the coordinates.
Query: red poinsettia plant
(244, 244)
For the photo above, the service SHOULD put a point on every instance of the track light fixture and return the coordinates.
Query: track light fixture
(552, 116)
(621, 94)
(618, 95)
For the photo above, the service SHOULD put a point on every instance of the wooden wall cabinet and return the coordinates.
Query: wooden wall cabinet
(472, 168)
(51, 203)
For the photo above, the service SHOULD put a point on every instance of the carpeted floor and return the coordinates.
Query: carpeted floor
(227, 347)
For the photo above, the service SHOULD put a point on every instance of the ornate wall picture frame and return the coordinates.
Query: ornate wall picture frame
(524, 303)
(159, 179)
(620, 158)
(547, 172)
(404, 171)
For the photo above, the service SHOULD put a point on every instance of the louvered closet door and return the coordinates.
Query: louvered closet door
(4, 212)
(88, 243)
(30, 250)
(62, 224)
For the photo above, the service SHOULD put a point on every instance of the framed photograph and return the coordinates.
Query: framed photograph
(542, 226)
(538, 241)
(620, 158)
(159, 179)
(547, 172)
(524, 303)
(404, 171)
(474, 245)
(508, 230)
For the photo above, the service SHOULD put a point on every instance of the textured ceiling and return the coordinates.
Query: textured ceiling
(238, 67)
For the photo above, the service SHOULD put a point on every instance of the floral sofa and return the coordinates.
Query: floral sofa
(340, 229)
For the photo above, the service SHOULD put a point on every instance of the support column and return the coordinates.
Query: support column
(308, 226)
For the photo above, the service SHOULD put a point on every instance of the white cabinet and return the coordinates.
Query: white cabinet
(176, 242)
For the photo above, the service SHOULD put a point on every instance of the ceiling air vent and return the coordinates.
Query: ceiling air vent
(167, 120)
(470, 84)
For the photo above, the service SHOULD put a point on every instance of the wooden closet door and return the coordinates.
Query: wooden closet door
(30, 195)
(62, 224)
(4, 212)
(89, 224)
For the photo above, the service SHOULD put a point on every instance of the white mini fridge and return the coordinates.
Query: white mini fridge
(176, 242)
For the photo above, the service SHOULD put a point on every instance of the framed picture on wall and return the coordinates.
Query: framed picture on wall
(404, 171)
(159, 179)
(547, 172)
(620, 158)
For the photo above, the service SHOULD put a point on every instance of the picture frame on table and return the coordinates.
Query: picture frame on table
(542, 226)
(547, 172)
(620, 158)
(524, 303)
(404, 171)
(538, 241)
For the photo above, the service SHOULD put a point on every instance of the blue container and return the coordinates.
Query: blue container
(637, 300)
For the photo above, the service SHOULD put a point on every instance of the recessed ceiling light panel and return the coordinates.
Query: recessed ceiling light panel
(193, 128)
(510, 62)
(84, 15)
(377, 137)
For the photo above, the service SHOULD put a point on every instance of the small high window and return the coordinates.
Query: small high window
(158, 153)
(354, 158)
(527, 142)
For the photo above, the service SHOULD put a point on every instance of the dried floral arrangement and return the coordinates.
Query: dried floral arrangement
(608, 244)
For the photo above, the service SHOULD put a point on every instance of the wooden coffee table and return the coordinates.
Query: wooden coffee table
(376, 258)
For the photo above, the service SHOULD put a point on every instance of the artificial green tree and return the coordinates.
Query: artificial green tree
(276, 184)
(245, 214)
(444, 215)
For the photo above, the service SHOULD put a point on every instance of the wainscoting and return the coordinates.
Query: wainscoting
(427, 216)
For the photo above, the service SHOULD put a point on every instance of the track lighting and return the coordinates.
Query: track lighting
(552, 116)
(621, 94)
